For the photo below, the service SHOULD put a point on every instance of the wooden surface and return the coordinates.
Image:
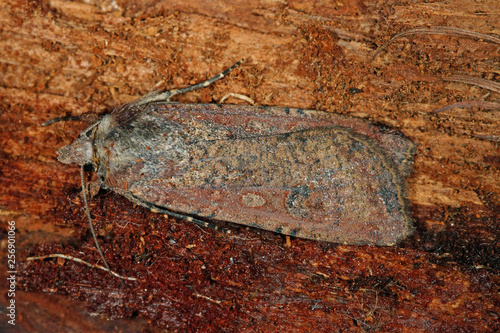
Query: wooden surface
(69, 58)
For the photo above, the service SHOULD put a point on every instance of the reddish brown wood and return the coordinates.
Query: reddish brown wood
(69, 58)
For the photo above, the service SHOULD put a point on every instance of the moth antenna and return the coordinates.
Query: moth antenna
(87, 209)
(65, 256)
(166, 95)
(58, 119)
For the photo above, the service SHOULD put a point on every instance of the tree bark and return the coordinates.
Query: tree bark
(71, 58)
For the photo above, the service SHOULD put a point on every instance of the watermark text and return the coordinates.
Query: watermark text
(12, 272)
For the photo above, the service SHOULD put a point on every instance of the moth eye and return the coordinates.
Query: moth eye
(85, 135)
(89, 167)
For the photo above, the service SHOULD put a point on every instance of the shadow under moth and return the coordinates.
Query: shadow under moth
(303, 173)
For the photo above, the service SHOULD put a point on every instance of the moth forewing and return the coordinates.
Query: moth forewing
(303, 173)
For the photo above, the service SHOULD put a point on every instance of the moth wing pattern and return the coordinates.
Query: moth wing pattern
(304, 173)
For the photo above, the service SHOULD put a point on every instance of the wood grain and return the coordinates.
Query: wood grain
(62, 58)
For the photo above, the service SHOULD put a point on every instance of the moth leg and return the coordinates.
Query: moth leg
(165, 96)
(191, 219)
(156, 209)
(94, 187)
(58, 119)
(89, 116)
(240, 96)
(210, 225)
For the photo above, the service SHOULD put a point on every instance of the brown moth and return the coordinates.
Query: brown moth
(303, 173)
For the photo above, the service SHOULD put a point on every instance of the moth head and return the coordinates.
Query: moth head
(80, 151)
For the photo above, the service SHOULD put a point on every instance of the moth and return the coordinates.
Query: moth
(304, 173)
